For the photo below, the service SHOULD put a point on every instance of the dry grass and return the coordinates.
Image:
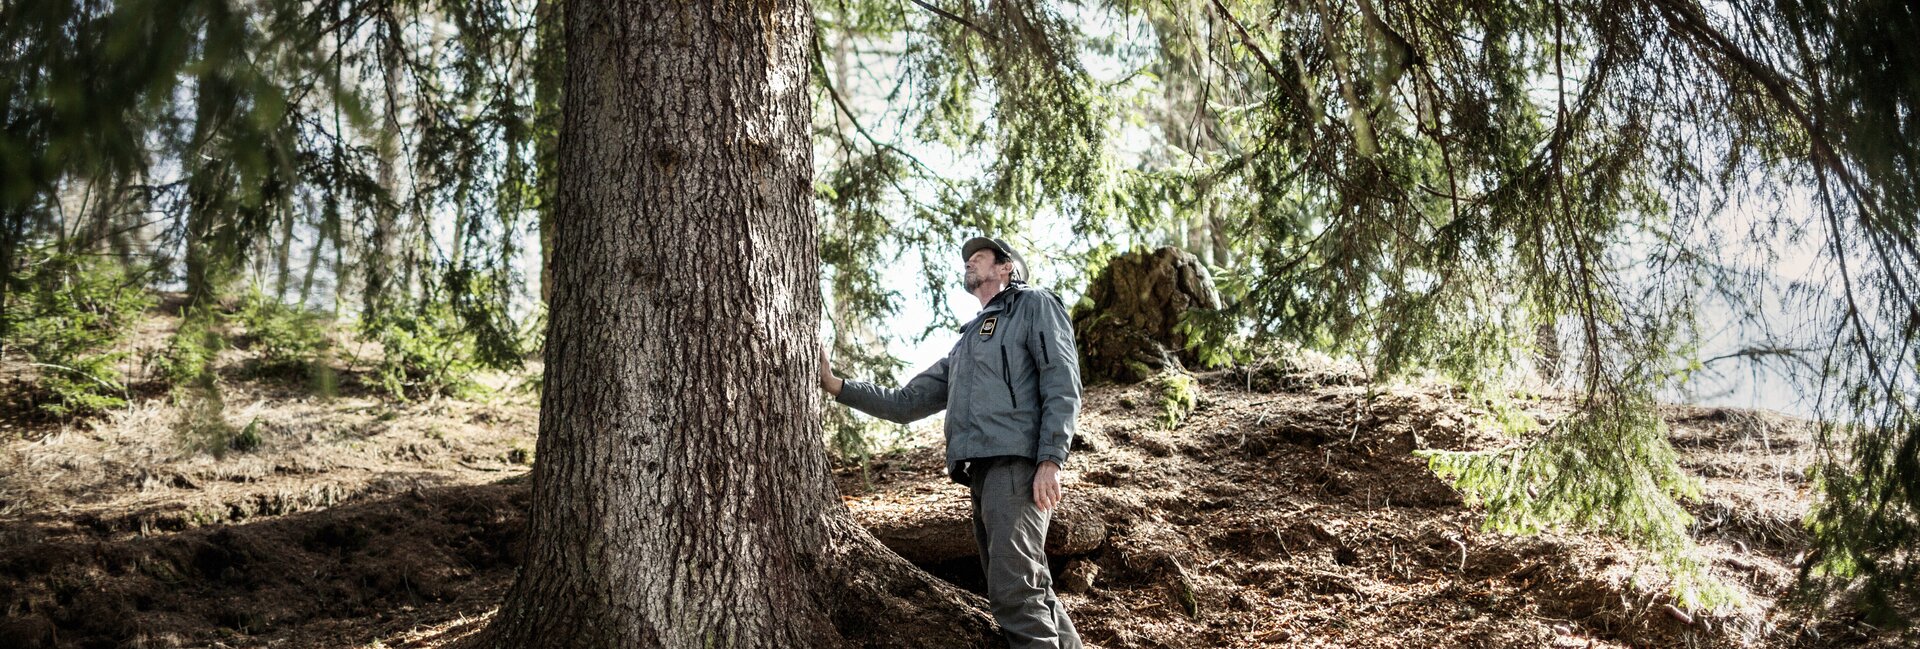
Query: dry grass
(1285, 511)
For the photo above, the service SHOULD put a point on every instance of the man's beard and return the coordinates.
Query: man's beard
(973, 280)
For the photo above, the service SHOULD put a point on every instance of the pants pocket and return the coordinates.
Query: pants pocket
(1020, 471)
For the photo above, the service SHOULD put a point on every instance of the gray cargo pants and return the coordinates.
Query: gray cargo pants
(1012, 533)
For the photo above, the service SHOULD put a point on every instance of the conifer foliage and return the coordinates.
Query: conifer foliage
(1502, 192)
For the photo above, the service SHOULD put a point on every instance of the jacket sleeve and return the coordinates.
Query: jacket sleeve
(924, 395)
(1050, 340)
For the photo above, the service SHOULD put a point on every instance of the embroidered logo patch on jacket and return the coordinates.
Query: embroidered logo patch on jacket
(986, 326)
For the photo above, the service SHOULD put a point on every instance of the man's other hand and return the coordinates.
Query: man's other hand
(828, 381)
(1046, 486)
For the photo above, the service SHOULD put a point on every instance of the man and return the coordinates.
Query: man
(1011, 387)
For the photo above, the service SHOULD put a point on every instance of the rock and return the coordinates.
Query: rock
(1130, 326)
(1079, 576)
(1076, 529)
(1154, 446)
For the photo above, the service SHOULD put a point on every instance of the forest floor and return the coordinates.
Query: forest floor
(1286, 510)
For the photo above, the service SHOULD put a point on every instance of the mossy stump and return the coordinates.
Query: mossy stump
(1129, 327)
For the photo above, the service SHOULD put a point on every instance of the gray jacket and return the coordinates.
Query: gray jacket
(1011, 385)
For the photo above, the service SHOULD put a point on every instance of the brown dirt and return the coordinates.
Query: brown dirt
(1285, 511)
(1299, 517)
(356, 517)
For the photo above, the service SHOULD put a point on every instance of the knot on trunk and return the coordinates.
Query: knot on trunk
(1131, 325)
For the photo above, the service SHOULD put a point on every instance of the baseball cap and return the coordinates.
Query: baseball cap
(977, 244)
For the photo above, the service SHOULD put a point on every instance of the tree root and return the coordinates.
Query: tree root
(878, 599)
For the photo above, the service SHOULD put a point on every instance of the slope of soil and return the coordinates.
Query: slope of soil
(1300, 517)
(1287, 510)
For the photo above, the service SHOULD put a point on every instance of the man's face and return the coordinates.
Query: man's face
(981, 269)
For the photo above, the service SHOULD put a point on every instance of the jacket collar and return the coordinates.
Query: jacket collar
(1002, 299)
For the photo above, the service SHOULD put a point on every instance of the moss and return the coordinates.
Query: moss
(1179, 394)
(520, 454)
(1137, 370)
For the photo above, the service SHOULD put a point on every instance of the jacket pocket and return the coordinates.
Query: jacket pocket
(1006, 375)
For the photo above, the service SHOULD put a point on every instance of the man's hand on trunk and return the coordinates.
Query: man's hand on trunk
(828, 381)
(1046, 486)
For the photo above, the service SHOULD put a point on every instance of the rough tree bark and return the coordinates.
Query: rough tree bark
(681, 496)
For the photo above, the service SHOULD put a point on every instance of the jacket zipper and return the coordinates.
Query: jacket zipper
(1006, 374)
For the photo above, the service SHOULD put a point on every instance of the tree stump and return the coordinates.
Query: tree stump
(1129, 330)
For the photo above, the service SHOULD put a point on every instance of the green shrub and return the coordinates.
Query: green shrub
(1609, 467)
(519, 454)
(86, 385)
(71, 314)
(288, 340)
(458, 324)
(247, 439)
(1212, 339)
(188, 365)
(425, 350)
(192, 349)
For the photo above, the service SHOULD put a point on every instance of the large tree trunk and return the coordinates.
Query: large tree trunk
(681, 495)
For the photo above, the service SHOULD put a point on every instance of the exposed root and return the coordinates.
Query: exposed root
(881, 600)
